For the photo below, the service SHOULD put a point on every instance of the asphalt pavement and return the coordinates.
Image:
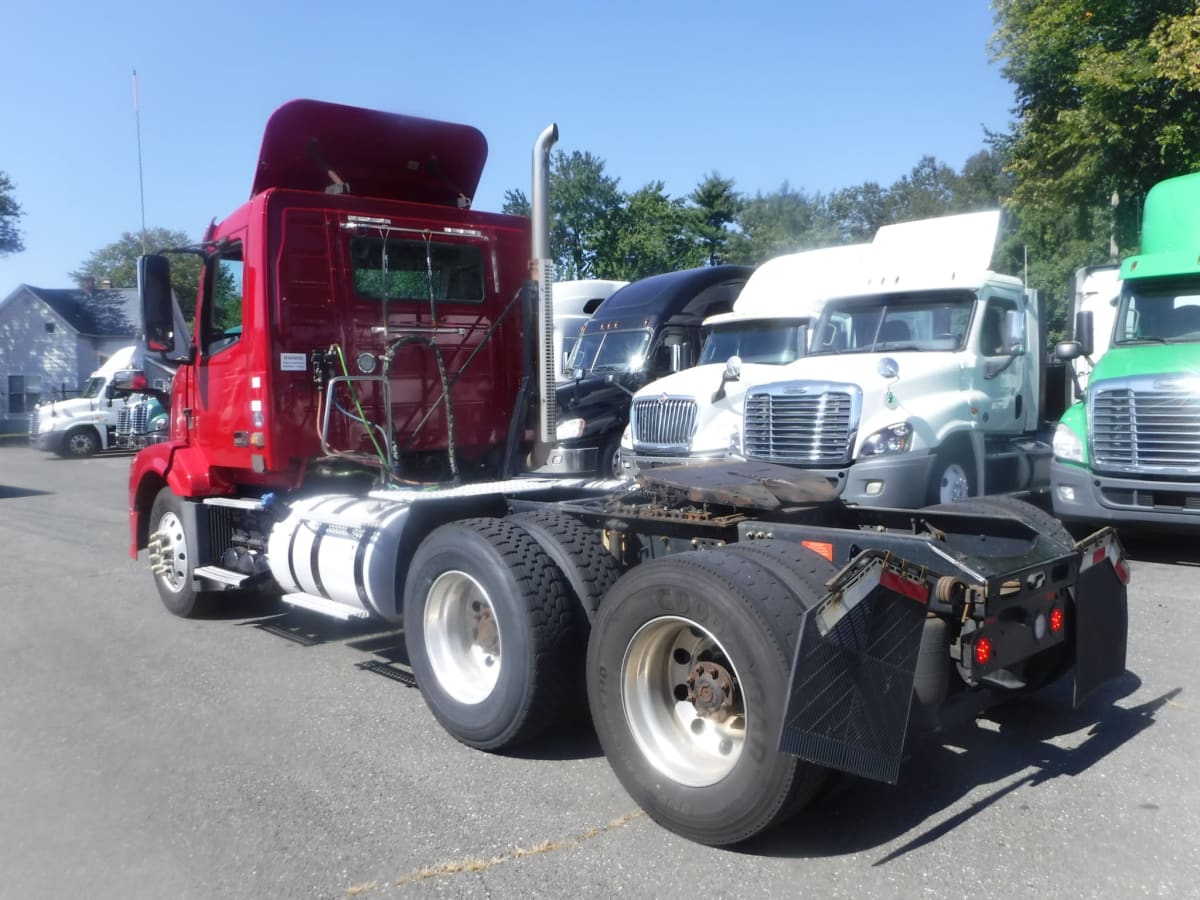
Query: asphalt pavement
(271, 754)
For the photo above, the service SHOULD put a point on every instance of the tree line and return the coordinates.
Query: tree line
(1107, 104)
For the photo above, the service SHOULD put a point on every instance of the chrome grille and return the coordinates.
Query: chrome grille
(663, 423)
(1146, 425)
(33, 422)
(815, 428)
(141, 413)
(124, 422)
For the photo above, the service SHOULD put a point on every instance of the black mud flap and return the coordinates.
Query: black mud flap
(1101, 615)
(852, 679)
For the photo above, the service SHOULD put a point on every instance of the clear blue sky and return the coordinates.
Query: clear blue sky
(820, 95)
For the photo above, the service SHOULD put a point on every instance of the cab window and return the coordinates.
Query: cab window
(222, 318)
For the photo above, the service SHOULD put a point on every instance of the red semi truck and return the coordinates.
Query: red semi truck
(371, 379)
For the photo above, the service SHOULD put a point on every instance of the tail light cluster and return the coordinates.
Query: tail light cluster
(997, 639)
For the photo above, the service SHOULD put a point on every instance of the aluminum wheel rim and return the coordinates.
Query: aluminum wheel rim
(79, 444)
(672, 736)
(462, 637)
(173, 549)
(954, 486)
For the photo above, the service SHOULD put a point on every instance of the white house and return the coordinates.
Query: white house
(51, 339)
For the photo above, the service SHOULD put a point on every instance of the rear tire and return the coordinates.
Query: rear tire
(490, 632)
(577, 551)
(688, 670)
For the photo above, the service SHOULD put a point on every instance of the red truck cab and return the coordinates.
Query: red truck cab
(350, 289)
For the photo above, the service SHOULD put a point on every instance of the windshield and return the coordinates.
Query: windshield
(610, 351)
(1164, 311)
(93, 387)
(930, 320)
(773, 342)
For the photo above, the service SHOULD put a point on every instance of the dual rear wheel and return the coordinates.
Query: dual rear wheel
(687, 662)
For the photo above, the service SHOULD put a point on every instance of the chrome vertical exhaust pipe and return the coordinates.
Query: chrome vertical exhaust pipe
(542, 272)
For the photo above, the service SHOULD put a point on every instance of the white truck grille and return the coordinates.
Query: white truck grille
(801, 424)
(663, 423)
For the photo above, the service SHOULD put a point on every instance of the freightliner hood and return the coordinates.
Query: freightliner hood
(1130, 360)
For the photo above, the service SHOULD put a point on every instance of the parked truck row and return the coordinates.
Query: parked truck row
(358, 420)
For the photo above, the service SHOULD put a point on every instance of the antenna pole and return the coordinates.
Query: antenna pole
(137, 118)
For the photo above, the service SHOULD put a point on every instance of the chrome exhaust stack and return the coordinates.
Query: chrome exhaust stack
(542, 273)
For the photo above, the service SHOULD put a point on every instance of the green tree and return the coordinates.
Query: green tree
(582, 201)
(117, 263)
(858, 212)
(928, 190)
(10, 216)
(648, 235)
(1108, 102)
(715, 208)
(784, 221)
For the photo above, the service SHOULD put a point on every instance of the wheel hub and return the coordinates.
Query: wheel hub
(684, 708)
(710, 690)
(462, 637)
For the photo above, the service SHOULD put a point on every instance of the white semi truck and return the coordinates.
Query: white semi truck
(695, 414)
(83, 425)
(924, 381)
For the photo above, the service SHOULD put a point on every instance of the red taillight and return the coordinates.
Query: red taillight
(1057, 620)
(983, 651)
(139, 382)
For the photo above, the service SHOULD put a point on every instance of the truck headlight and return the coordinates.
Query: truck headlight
(569, 429)
(1067, 444)
(893, 439)
(627, 438)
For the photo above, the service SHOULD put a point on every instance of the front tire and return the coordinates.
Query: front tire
(80, 444)
(490, 632)
(688, 670)
(172, 554)
(953, 479)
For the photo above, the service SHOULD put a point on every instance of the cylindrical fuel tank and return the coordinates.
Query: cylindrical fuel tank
(343, 548)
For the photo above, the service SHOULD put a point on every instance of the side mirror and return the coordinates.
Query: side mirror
(1068, 350)
(733, 369)
(1084, 332)
(1014, 332)
(154, 290)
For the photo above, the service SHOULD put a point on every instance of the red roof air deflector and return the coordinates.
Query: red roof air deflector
(377, 154)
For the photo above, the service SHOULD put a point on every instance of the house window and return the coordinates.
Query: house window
(49, 328)
(24, 392)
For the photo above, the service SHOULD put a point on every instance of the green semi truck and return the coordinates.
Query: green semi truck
(1128, 451)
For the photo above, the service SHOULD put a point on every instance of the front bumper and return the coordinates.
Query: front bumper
(900, 481)
(571, 461)
(1080, 495)
(47, 440)
(633, 462)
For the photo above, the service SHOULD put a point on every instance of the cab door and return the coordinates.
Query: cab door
(221, 417)
(1000, 371)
